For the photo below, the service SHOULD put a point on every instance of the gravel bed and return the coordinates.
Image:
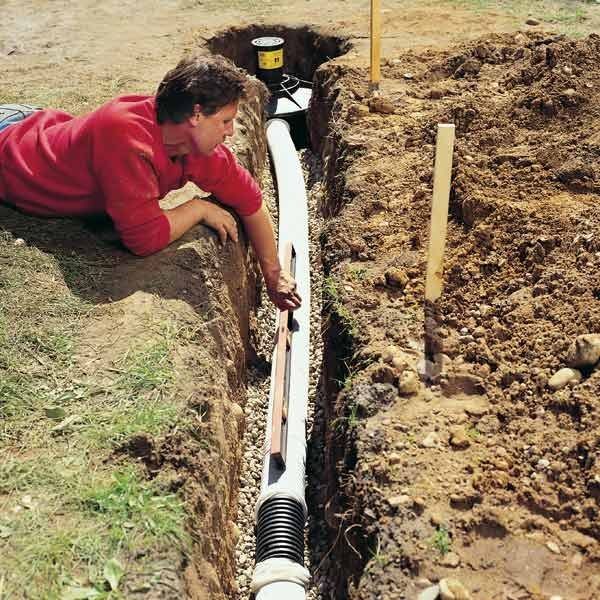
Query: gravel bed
(259, 380)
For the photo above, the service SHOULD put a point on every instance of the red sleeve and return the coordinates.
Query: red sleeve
(129, 184)
(221, 175)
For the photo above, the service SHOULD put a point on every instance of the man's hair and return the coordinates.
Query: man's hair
(210, 81)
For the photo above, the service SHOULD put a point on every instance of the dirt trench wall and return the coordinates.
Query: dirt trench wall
(490, 475)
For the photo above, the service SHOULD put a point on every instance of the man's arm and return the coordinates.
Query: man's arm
(281, 286)
(190, 213)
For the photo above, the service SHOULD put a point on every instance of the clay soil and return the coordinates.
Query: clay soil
(511, 511)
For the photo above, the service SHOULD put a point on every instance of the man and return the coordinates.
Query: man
(129, 153)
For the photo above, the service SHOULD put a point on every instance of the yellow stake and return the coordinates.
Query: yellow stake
(439, 211)
(375, 43)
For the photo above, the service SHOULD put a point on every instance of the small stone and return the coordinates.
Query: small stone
(431, 440)
(419, 503)
(396, 278)
(379, 104)
(459, 439)
(401, 500)
(19, 242)
(553, 547)
(394, 458)
(452, 589)
(451, 560)
(408, 75)
(408, 383)
(584, 351)
(237, 412)
(430, 593)
(543, 464)
(532, 21)
(564, 377)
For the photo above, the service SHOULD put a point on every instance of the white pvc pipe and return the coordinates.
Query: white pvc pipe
(293, 227)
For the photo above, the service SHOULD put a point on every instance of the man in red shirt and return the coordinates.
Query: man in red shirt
(123, 157)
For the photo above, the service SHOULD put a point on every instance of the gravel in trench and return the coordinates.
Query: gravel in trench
(259, 381)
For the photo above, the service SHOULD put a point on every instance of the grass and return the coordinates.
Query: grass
(333, 300)
(566, 17)
(473, 433)
(72, 519)
(441, 540)
(378, 557)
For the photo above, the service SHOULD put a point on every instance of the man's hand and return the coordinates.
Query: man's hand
(219, 220)
(282, 292)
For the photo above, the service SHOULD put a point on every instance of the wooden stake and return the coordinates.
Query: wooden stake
(375, 43)
(439, 212)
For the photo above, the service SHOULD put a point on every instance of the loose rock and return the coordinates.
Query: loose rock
(396, 278)
(430, 593)
(397, 501)
(408, 383)
(553, 547)
(431, 440)
(564, 377)
(459, 439)
(379, 104)
(584, 351)
(452, 589)
(451, 560)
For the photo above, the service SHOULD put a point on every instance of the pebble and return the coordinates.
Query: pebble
(532, 21)
(401, 500)
(553, 547)
(459, 439)
(452, 589)
(451, 560)
(394, 458)
(408, 75)
(543, 464)
(584, 351)
(430, 593)
(396, 278)
(379, 104)
(431, 440)
(564, 377)
(19, 242)
(408, 383)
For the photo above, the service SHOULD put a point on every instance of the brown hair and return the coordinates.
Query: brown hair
(210, 81)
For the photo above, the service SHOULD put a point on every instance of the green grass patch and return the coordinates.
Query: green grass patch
(575, 18)
(72, 522)
(441, 540)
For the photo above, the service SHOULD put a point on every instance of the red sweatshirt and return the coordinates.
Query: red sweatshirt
(112, 161)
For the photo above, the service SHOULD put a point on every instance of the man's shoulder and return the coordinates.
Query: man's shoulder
(126, 117)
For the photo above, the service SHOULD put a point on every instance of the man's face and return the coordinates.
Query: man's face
(207, 132)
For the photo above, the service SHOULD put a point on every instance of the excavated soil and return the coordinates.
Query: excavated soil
(485, 475)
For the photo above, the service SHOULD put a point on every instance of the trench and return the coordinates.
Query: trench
(305, 50)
